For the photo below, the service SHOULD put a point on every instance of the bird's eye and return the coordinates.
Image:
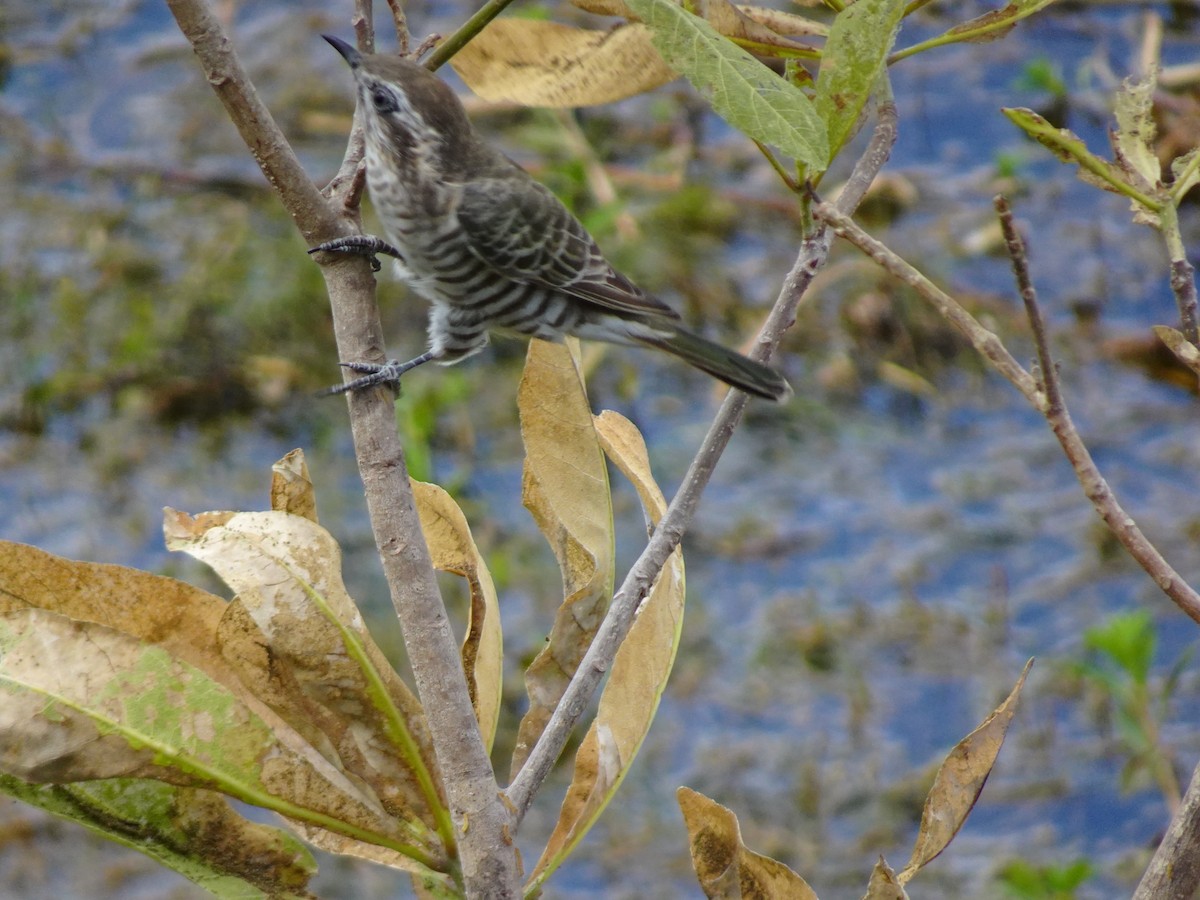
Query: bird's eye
(383, 100)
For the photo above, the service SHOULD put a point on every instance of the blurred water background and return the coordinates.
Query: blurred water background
(873, 563)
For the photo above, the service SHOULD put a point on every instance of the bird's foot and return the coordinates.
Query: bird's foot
(372, 374)
(375, 374)
(360, 245)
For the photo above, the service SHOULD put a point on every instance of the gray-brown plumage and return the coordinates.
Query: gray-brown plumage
(490, 248)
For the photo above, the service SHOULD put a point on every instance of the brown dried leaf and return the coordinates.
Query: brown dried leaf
(453, 550)
(776, 21)
(884, 884)
(538, 63)
(784, 22)
(174, 615)
(291, 487)
(287, 572)
(995, 24)
(991, 26)
(566, 491)
(605, 8)
(730, 21)
(959, 781)
(639, 672)
(726, 869)
(247, 652)
(186, 621)
(1185, 351)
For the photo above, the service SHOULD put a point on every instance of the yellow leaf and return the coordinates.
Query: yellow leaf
(566, 491)
(639, 671)
(537, 63)
(286, 571)
(453, 550)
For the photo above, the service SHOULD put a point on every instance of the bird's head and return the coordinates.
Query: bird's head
(407, 110)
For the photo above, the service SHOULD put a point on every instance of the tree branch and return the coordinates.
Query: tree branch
(1174, 870)
(994, 351)
(667, 536)
(490, 867)
(441, 55)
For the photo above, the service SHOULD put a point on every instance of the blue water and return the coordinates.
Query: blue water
(941, 541)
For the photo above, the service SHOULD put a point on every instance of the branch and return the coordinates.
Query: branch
(489, 859)
(1094, 485)
(1174, 870)
(985, 343)
(460, 38)
(667, 536)
(1039, 395)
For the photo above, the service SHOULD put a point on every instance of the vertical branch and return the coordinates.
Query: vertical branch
(1020, 264)
(490, 867)
(1183, 276)
(1174, 870)
(400, 20)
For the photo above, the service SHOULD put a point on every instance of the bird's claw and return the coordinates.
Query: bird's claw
(372, 374)
(360, 245)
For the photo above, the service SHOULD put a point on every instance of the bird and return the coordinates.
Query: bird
(491, 248)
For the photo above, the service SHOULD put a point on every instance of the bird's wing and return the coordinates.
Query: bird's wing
(520, 229)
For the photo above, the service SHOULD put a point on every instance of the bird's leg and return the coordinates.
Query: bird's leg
(362, 245)
(373, 374)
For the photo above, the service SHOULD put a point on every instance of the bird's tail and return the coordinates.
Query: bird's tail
(720, 362)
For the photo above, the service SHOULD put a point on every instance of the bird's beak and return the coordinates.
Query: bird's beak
(352, 56)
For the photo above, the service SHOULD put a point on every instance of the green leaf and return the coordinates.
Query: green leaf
(742, 91)
(1069, 148)
(1186, 173)
(194, 832)
(990, 26)
(81, 701)
(1128, 640)
(1133, 138)
(854, 59)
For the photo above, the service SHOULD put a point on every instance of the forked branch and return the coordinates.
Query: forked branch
(1044, 394)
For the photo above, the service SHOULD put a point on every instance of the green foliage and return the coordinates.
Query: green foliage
(742, 90)
(853, 63)
(1042, 74)
(1120, 654)
(1026, 881)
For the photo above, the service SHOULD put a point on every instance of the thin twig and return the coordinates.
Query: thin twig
(667, 536)
(460, 38)
(482, 824)
(1183, 286)
(1020, 263)
(987, 344)
(1174, 870)
(993, 350)
(400, 21)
